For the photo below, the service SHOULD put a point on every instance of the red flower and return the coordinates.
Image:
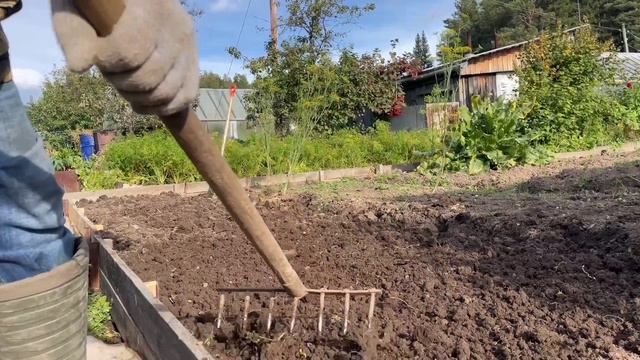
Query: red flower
(629, 85)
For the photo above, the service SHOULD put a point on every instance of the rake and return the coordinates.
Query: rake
(199, 147)
(347, 294)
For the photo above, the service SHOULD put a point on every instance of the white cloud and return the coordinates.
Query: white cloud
(27, 78)
(218, 6)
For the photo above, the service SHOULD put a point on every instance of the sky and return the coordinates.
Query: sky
(35, 53)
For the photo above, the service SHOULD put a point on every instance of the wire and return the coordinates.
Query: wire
(607, 28)
(244, 21)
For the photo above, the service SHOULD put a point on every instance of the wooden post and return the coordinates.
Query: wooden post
(274, 23)
(232, 96)
(624, 38)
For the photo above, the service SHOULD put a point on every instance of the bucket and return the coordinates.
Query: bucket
(88, 146)
(45, 317)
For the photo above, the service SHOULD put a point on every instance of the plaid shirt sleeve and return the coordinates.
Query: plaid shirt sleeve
(9, 7)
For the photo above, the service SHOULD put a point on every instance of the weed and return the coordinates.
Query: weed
(99, 319)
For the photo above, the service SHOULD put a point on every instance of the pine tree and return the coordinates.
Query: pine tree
(421, 51)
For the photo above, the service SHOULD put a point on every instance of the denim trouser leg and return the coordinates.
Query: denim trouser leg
(33, 238)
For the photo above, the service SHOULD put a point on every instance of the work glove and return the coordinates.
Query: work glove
(150, 57)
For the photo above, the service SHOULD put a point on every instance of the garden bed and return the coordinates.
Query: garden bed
(541, 265)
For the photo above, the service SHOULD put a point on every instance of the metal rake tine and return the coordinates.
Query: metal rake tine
(293, 315)
(272, 303)
(245, 316)
(320, 317)
(372, 305)
(220, 311)
(347, 299)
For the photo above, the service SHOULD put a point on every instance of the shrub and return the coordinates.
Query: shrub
(489, 136)
(563, 77)
(99, 319)
(157, 159)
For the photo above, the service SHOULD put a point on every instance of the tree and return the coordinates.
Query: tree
(487, 24)
(71, 103)
(211, 80)
(422, 52)
(316, 23)
(450, 47)
(305, 60)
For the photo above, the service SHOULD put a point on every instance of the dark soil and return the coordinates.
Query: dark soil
(547, 268)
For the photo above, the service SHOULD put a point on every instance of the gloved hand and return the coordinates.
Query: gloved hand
(150, 57)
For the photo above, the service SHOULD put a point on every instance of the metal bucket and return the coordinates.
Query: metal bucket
(45, 317)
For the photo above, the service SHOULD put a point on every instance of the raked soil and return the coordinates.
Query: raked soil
(544, 265)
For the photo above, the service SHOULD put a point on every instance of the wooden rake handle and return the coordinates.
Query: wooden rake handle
(199, 147)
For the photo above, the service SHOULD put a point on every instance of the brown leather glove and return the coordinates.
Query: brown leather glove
(150, 57)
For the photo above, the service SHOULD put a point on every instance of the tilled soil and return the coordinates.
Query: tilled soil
(544, 269)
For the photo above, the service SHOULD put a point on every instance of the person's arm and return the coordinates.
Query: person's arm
(9, 7)
(150, 57)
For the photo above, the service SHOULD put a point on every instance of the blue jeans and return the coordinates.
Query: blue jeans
(33, 238)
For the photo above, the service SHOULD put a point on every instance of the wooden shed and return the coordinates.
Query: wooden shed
(491, 74)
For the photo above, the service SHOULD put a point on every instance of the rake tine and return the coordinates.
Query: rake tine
(220, 311)
(321, 312)
(347, 299)
(272, 303)
(372, 304)
(247, 299)
(295, 311)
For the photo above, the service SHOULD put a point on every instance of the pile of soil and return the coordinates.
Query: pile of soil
(548, 269)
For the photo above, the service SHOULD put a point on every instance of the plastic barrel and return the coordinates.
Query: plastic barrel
(45, 317)
(88, 146)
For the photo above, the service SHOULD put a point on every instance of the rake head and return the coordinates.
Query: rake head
(346, 294)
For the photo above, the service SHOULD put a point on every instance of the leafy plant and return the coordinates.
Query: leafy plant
(99, 319)
(65, 159)
(489, 136)
(563, 76)
(157, 159)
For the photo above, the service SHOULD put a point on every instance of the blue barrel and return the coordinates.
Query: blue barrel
(88, 146)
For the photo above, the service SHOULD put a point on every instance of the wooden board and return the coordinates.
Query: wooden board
(160, 329)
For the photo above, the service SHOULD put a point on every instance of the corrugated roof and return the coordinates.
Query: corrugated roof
(458, 63)
(630, 65)
(213, 105)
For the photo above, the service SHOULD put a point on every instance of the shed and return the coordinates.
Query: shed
(213, 106)
(490, 74)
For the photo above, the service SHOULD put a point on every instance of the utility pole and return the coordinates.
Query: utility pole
(274, 23)
(579, 13)
(624, 38)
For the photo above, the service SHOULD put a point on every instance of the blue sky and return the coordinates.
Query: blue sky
(34, 51)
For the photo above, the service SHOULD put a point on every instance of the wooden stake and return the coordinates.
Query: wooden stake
(321, 313)
(220, 311)
(227, 124)
(347, 299)
(296, 301)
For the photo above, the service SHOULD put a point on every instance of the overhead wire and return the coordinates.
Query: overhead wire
(244, 21)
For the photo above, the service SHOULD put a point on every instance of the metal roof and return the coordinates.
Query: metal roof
(213, 105)
(630, 65)
(458, 63)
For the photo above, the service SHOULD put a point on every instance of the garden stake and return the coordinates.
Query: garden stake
(187, 129)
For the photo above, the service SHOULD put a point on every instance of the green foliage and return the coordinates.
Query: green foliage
(564, 77)
(65, 159)
(490, 136)
(422, 51)
(72, 103)
(316, 24)
(450, 48)
(156, 158)
(99, 319)
(211, 80)
(487, 24)
(354, 84)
